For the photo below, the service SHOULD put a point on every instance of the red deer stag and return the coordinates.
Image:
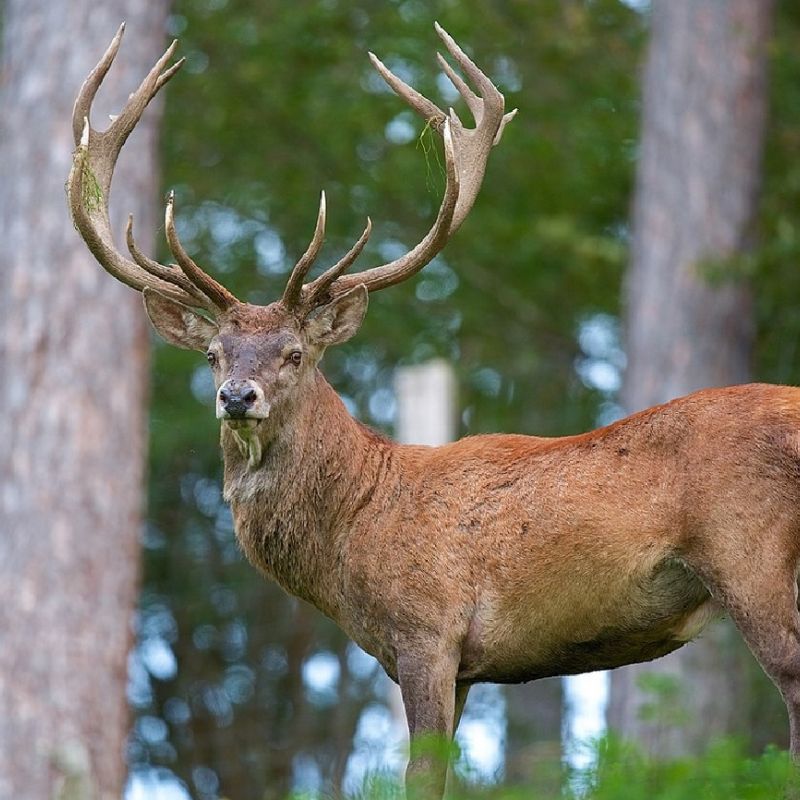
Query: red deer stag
(497, 558)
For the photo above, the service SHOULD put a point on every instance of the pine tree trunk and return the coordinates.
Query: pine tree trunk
(534, 716)
(73, 355)
(689, 321)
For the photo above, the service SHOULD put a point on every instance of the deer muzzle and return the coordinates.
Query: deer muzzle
(241, 401)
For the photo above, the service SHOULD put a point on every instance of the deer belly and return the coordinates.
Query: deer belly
(641, 619)
(619, 646)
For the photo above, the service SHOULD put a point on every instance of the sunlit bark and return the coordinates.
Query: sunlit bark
(73, 354)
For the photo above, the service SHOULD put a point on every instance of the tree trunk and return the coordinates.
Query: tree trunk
(689, 322)
(534, 716)
(73, 356)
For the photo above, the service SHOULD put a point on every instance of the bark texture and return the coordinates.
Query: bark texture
(73, 355)
(534, 715)
(689, 322)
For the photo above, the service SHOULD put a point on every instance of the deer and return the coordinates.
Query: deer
(497, 558)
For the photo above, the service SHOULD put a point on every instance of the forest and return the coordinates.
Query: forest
(230, 688)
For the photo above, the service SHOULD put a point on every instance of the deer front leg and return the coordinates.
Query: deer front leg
(428, 686)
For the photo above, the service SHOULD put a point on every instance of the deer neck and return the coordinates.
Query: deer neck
(315, 476)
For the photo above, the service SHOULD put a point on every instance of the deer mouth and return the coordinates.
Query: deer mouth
(245, 436)
(243, 423)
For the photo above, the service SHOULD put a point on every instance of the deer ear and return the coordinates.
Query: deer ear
(340, 319)
(178, 324)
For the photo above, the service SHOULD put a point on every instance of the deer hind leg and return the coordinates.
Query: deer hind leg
(759, 591)
(775, 642)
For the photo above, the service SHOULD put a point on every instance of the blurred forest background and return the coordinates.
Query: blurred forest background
(237, 690)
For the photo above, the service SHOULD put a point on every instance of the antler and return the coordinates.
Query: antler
(466, 153)
(89, 184)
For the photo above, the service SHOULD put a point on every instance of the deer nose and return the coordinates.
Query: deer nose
(236, 398)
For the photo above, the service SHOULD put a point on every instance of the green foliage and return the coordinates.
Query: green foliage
(383, 786)
(664, 706)
(775, 261)
(723, 772)
(621, 772)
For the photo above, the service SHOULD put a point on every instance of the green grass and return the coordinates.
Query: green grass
(724, 772)
(621, 772)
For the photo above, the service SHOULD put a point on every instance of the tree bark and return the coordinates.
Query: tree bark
(689, 322)
(535, 717)
(74, 362)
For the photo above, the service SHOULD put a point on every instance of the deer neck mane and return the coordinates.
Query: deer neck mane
(316, 474)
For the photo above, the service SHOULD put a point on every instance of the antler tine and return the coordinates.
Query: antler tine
(474, 103)
(166, 273)
(427, 109)
(90, 177)
(316, 293)
(83, 102)
(432, 243)
(472, 146)
(466, 153)
(292, 294)
(214, 291)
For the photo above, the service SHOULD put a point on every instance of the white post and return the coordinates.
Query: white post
(426, 399)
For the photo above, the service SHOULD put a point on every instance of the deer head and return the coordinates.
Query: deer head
(262, 355)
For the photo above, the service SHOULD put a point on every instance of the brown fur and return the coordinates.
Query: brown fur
(527, 557)
(507, 558)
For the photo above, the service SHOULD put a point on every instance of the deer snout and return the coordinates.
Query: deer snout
(241, 400)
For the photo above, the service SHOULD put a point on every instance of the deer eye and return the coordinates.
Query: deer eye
(295, 357)
(212, 359)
